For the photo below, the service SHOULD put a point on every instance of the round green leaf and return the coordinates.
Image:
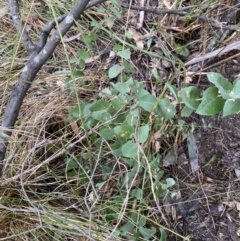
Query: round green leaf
(130, 149)
(128, 66)
(137, 193)
(223, 85)
(231, 107)
(100, 105)
(163, 235)
(83, 54)
(122, 88)
(115, 70)
(235, 93)
(186, 112)
(107, 133)
(169, 183)
(126, 54)
(211, 103)
(124, 131)
(189, 96)
(147, 233)
(166, 109)
(147, 102)
(142, 133)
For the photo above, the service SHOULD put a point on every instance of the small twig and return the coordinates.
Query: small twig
(217, 52)
(141, 15)
(14, 10)
(94, 3)
(181, 12)
(45, 33)
(230, 18)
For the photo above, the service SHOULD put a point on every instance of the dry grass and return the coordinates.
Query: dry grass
(39, 200)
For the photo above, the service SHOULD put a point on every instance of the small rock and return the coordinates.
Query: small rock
(166, 64)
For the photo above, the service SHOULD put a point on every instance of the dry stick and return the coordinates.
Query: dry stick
(37, 59)
(181, 12)
(14, 10)
(217, 52)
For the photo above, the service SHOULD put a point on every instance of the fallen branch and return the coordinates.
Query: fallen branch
(215, 53)
(14, 10)
(38, 55)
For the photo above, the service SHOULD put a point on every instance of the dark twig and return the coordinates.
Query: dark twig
(230, 18)
(94, 3)
(14, 10)
(213, 23)
(45, 33)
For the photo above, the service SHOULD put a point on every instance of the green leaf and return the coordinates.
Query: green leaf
(170, 183)
(186, 112)
(110, 215)
(174, 91)
(96, 24)
(100, 105)
(141, 221)
(81, 63)
(101, 10)
(182, 50)
(118, 47)
(127, 227)
(231, 107)
(115, 2)
(128, 66)
(78, 74)
(165, 108)
(211, 103)
(189, 96)
(139, 91)
(115, 70)
(132, 117)
(126, 54)
(71, 163)
(147, 102)
(163, 235)
(74, 113)
(155, 164)
(107, 133)
(147, 233)
(156, 75)
(83, 54)
(124, 131)
(137, 193)
(235, 93)
(142, 134)
(130, 149)
(118, 104)
(93, 36)
(122, 88)
(116, 13)
(86, 112)
(100, 111)
(223, 85)
(101, 116)
(69, 85)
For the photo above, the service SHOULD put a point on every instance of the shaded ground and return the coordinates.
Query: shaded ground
(208, 206)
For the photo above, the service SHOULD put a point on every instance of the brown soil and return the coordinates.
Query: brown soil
(208, 207)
